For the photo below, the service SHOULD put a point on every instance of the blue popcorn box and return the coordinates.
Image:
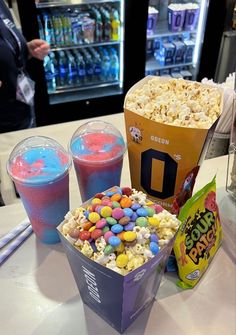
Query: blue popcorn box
(118, 299)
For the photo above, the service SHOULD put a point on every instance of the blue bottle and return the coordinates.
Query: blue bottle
(72, 70)
(48, 30)
(63, 68)
(105, 76)
(114, 65)
(49, 74)
(97, 64)
(54, 60)
(80, 68)
(97, 67)
(89, 68)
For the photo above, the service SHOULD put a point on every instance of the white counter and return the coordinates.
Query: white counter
(39, 295)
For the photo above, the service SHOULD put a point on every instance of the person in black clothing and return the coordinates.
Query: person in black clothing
(16, 88)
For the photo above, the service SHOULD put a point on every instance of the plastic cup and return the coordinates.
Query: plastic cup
(97, 149)
(39, 167)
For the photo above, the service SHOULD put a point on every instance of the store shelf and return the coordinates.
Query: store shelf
(88, 93)
(88, 45)
(152, 65)
(64, 89)
(62, 3)
(162, 31)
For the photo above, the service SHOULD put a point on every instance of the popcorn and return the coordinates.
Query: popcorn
(176, 102)
(87, 249)
(121, 245)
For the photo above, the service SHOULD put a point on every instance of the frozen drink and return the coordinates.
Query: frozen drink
(39, 167)
(97, 149)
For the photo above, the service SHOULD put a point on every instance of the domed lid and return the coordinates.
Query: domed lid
(38, 159)
(97, 141)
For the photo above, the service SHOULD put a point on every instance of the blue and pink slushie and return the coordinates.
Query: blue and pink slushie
(39, 167)
(97, 149)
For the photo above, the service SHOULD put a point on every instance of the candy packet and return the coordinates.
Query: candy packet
(199, 235)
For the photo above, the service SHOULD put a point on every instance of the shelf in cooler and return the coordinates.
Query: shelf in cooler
(69, 94)
(162, 31)
(80, 46)
(62, 3)
(63, 89)
(152, 65)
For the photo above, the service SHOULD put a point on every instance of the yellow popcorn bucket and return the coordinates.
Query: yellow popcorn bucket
(162, 155)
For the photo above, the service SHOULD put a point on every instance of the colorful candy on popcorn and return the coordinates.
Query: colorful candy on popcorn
(120, 229)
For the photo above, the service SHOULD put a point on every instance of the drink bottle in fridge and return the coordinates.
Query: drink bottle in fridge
(49, 74)
(48, 29)
(63, 68)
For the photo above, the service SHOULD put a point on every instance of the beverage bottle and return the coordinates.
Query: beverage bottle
(98, 25)
(114, 65)
(106, 25)
(48, 29)
(105, 76)
(67, 30)
(80, 68)
(58, 30)
(72, 69)
(54, 60)
(88, 66)
(49, 74)
(41, 30)
(97, 65)
(63, 68)
(115, 26)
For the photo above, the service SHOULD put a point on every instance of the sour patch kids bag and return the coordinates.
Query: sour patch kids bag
(199, 235)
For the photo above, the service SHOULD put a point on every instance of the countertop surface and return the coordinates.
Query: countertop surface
(39, 294)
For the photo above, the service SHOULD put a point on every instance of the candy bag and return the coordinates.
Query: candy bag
(199, 235)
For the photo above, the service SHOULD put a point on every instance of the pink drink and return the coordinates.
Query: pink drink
(39, 167)
(97, 148)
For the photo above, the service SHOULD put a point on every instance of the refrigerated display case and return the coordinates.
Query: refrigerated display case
(87, 43)
(175, 33)
(88, 70)
(218, 51)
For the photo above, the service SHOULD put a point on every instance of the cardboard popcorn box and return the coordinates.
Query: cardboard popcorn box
(161, 155)
(118, 297)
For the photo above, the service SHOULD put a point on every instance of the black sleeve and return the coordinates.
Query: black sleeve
(5, 10)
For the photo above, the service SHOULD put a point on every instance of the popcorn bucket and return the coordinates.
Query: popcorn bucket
(152, 20)
(161, 155)
(176, 19)
(191, 18)
(118, 299)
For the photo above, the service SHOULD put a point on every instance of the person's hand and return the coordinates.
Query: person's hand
(0, 84)
(38, 48)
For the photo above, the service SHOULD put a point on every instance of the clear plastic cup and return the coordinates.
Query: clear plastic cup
(97, 149)
(39, 167)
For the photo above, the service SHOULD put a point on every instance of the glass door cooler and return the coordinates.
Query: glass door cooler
(175, 32)
(86, 61)
(86, 39)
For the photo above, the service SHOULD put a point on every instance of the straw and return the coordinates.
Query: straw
(15, 244)
(13, 233)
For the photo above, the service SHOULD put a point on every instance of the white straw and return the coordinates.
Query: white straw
(15, 244)
(13, 233)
